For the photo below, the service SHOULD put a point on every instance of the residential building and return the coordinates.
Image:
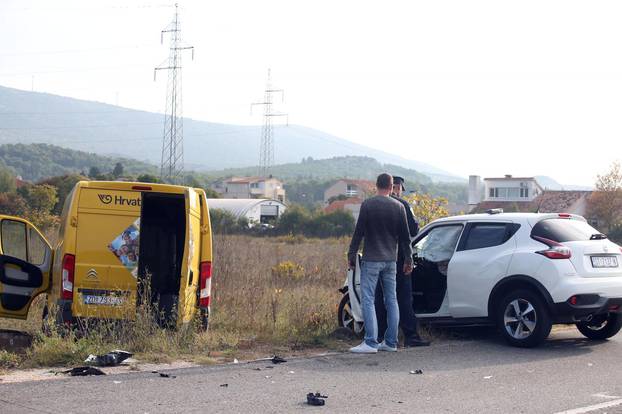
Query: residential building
(353, 205)
(256, 211)
(347, 188)
(253, 187)
(511, 189)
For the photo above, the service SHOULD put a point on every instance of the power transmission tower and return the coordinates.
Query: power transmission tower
(172, 165)
(266, 146)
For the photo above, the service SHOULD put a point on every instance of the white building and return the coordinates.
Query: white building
(255, 210)
(505, 189)
(253, 187)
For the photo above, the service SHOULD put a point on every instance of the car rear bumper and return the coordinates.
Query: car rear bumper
(584, 307)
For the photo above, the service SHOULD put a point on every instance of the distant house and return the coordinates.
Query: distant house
(346, 188)
(253, 187)
(256, 211)
(353, 205)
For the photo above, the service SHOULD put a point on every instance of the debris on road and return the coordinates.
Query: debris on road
(278, 360)
(316, 399)
(84, 371)
(235, 361)
(224, 385)
(163, 375)
(416, 372)
(110, 359)
(488, 377)
(291, 372)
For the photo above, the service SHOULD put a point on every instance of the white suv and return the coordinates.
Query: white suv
(520, 271)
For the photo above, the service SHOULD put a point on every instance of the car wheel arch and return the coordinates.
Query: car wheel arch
(516, 282)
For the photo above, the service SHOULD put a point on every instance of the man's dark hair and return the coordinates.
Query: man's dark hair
(384, 181)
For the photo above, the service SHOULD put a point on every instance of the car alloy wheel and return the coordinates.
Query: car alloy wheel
(520, 318)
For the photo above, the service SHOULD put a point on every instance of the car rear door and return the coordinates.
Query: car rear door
(25, 263)
(482, 258)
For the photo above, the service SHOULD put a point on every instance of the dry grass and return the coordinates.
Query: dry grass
(269, 295)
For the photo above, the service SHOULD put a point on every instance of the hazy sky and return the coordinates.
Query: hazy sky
(473, 87)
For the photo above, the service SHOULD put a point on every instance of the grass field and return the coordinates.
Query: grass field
(269, 294)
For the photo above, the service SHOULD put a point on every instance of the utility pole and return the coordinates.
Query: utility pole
(172, 165)
(266, 146)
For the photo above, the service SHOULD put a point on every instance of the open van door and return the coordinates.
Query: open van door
(25, 265)
(190, 269)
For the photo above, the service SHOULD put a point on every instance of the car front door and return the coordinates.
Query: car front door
(25, 263)
(481, 260)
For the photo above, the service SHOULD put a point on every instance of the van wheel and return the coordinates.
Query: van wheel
(601, 327)
(523, 319)
(204, 320)
(346, 319)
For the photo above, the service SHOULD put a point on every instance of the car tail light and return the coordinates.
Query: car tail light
(69, 269)
(205, 284)
(572, 300)
(555, 251)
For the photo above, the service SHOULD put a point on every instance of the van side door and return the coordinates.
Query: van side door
(25, 263)
(190, 268)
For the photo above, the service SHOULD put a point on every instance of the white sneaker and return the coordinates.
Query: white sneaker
(363, 348)
(386, 348)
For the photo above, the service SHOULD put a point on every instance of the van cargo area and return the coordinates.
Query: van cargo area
(162, 238)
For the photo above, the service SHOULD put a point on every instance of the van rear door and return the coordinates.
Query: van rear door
(190, 271)
(25, 263)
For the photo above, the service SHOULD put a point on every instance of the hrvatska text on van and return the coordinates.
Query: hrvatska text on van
(119, 200)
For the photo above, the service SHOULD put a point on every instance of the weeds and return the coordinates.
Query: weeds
(267, 294)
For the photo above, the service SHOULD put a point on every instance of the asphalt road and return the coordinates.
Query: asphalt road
(473, 374)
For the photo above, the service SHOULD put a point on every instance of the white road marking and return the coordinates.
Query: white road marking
(603, 395)
(590, 408)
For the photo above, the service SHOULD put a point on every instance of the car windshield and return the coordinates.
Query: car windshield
(565, 230)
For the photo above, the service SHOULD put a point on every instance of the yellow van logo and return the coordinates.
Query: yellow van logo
(91, 274)
(105, 198)
(119, 200)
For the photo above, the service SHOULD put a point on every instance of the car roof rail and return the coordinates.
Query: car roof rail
(494, 211)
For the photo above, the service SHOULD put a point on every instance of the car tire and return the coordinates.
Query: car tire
(603, 328)
(345, 319)
(530, 326)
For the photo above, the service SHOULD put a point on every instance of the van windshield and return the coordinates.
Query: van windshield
(565, 230)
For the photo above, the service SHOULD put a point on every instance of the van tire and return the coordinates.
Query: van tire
(533, 324)
(204, 320)
(610, 326)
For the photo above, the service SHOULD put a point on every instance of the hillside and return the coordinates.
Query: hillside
(31, 117)
(37, 161)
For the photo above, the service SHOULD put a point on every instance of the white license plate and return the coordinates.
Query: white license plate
(604, 261)
(103, 300)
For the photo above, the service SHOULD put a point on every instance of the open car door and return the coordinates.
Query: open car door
(190, 270)
(25, 265)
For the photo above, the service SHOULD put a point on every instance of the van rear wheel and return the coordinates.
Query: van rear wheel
(601, 326)
(204, 320)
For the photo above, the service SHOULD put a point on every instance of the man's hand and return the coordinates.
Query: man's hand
(408, 268)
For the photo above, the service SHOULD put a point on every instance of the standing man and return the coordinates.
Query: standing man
(404, 285)
(382, 224)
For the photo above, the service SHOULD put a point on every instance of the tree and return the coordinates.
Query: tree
(605, 204)
(117, 170)
(7, 181)
(148, 178)
(94, 172)
(12, 204)
(294, 220)
(427, 208)
(40, 200)
(64, 184)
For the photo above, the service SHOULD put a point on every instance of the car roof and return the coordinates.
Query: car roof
(515, 217)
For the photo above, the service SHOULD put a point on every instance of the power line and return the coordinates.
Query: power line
(266, 146)
(172, 163)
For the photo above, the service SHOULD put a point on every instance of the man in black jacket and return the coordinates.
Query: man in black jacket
(404, 286)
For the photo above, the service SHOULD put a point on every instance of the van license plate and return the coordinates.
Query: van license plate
(604, 261)
(103, 300)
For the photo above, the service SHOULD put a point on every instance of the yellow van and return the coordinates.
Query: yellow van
(113, 237)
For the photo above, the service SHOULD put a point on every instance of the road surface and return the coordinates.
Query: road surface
(473, 374)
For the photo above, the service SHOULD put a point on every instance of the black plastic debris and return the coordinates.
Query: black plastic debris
(163, 375)
(417, 372)
(316, 399)
(224, 385)
(278, 360)
(83, 371)
(110, 359)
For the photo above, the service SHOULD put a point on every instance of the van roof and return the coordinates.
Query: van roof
(134, 186)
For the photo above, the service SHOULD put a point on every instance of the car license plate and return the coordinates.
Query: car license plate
(103, 300)
(604, 261)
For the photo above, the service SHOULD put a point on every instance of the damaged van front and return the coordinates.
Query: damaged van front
(121, 244)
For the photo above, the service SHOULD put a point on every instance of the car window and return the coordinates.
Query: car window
(36, 247)
(13, 239)
(563, 230)
(439, 244)
(482, 235)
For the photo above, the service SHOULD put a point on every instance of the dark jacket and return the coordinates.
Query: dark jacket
(413, 229)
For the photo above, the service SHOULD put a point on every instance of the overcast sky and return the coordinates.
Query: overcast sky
(473, 87)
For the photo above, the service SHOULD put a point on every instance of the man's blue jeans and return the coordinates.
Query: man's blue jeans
(373, 273)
